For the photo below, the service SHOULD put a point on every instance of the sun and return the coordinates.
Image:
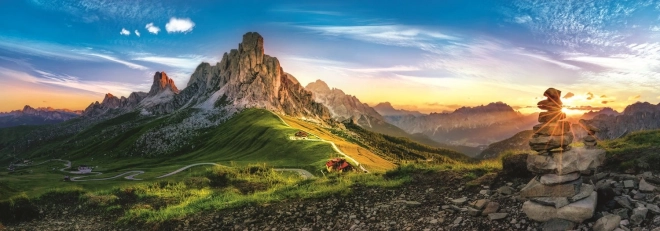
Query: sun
(569, 111)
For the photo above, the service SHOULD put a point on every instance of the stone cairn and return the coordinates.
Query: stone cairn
(558, 190)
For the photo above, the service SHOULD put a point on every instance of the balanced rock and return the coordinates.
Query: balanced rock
(562, 163)
(549, 105)
(552, 93)
(577, 211)
(535, 189)
(549, 179)
(550, 142)
(551, 116)
(553, 128)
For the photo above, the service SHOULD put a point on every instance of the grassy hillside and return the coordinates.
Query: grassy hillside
(636, 152)
(251, 137)
(518, 142)
(401, 149)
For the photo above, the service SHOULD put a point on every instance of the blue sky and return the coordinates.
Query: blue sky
(424, 55)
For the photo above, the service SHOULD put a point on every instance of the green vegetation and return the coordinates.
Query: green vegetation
(400, 149)
(639, 151)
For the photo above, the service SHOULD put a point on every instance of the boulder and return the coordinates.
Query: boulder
(577, 211)
(480, 204)
(535, 189)
(492, 207)
(505, 190)
(497, 216)
(516, 166)
(550, 179)
(562, 163)
(646, 187)
(638, 215)
(585, 191)
(607, 223)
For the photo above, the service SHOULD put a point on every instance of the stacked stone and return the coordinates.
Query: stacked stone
(590, 139)
(553, 132)
(558, 190)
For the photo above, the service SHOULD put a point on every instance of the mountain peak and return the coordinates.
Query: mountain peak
(27, 108)
(491, 107)
(318, 86)
(384, 105)
(162, 83)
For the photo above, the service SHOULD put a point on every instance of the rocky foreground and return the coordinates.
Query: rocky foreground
(432, 201)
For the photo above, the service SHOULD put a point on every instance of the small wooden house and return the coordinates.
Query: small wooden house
(301, 134)
(338, 165)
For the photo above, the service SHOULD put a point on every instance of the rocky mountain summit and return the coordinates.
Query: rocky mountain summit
(36, 116)
(344, 107)
(244, 78)
(386, 109)
(471, 126)
(635, 117)
(605, 111)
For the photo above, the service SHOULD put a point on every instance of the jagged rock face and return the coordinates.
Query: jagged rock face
(111, 102)
(161, 84)
(246, 77)
(636, 117)
(605, 111)
(471, 126)
(342, 106)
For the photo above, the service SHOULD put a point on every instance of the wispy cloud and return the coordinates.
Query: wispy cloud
(114, 59)
(151, 28)
(67, 81)
(137, 33)
(636, 97)
(124, 32)
(303, 11)
(184, 62)
(118, 10)
(568, 95)
(179, 25)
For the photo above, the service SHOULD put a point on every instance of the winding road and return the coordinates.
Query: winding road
(334, 146)
(130, 175)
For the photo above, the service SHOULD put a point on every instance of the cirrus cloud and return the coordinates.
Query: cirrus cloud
(179, 25)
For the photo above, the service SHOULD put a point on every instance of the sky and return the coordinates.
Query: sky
(430, 56)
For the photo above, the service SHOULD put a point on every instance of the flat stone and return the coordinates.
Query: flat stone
(653, 208)
(480, 204)
(549, 105)
(607, 223)
(497, 216)
(638, 215)
(646, 186)
(557, 202)
(459, 201)
(473, 212)
(585, 191)
(628, 184)
(549, 179)
(492, 207)
(553, 94)
(558, 225)
(589, 138)
(553, 129)
(623, 201)
(577, 211)
(622, 212)
(550, 142)
(551, 116)
(535, 189)
(562, 163)
(505, 190)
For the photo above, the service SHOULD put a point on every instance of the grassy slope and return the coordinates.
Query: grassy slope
(252, 137)
(401, 149)
(518, 142)
(367, 158)
(639, 151)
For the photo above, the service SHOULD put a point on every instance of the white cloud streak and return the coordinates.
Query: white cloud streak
(68, 81)
(137, 33)
(179, 25)
(126, 63)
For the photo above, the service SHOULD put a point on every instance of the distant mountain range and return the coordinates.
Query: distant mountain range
(469, 126)
(38, 116)
(386, 109)
(635, 117)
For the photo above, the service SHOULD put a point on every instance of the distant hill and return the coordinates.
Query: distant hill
(38, 116)
(468, 126)
(519, 141)
(345, 107)
(386, 109)
(605, 111)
